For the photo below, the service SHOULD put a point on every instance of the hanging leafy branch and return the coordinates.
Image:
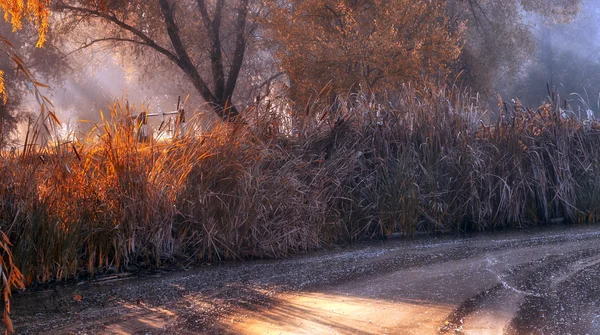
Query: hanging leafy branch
(35, 11)
(16, 12)
(38, 13)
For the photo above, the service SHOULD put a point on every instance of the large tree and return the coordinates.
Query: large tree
(206, 39)
(371, 44)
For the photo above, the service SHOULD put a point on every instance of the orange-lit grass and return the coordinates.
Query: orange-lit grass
(354, 171)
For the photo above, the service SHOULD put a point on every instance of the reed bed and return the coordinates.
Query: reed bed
(428, 160)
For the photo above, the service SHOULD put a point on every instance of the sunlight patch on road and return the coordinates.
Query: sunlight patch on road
(318, 313)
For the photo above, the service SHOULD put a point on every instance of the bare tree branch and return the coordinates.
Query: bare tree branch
(240, 49)
(107, 39)
(220, 97)
(188, 65)
(112, 18)
(216, 56)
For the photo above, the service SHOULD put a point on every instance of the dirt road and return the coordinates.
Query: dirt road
(526, 282)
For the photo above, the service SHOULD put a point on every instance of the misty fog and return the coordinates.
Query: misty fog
(566, 61)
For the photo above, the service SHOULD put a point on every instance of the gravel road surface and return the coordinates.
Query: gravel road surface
(542, 281)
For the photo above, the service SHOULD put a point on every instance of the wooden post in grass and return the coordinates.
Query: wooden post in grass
(142, 127)
(143, 130)
(180, 124)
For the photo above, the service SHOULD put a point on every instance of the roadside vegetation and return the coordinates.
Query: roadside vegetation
(359, 170)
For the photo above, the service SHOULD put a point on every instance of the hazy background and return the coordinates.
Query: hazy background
(565, 58)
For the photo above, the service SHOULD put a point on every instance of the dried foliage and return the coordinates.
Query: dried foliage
(373, 44)
(350, 173)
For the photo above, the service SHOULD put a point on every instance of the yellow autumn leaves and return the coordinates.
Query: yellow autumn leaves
(36, 11)
(15, 12)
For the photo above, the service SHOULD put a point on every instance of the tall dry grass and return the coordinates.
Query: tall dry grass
(360, 169)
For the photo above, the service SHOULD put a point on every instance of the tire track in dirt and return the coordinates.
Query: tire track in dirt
(570, 304)
(519, 302)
